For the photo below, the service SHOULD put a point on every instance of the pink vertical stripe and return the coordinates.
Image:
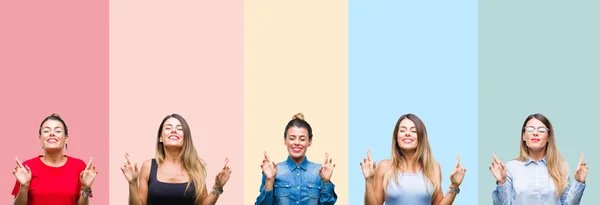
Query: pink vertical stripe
(54, 58)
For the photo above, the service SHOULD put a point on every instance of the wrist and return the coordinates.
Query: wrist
(370, 179)
(271, 179)
(85, 191)
(216, 186)
(217, 190)
(24, 188)
(454, 186)
(325, 180)
(83, 187)
(500, 182)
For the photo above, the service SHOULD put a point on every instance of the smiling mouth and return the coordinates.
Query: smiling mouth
(52, 140)
(296, 149)
(173, 137)
(408, 141)
(535, 140)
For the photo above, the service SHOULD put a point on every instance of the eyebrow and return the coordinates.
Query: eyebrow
(57, 127)
(297, 136)
(172, 125)
(407, 127)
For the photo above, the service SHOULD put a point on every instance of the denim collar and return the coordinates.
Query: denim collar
(292, 165)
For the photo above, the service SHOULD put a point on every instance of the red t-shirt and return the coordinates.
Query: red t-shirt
(53, 185)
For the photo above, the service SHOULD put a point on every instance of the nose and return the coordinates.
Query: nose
(296, 141)
(173, 131)
(407, 134)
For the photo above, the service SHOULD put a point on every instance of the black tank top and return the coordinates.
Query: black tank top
(160, 193)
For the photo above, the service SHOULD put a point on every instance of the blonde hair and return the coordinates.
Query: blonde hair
(423, 156)
(557, 166)
(193, 165)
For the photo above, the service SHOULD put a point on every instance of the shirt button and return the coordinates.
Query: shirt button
(298, 174)
(298, 187)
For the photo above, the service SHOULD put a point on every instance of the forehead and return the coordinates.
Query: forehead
(172, 121)
(297, 131)
(52, 124)
(535, 122)
(407, 123)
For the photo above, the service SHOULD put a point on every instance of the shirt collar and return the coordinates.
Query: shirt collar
(543, 160)
(292, 165)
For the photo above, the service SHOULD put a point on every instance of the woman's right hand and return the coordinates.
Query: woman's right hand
(498, 170)
(269, 167)
(130, 170)
(22, 173)
(368, 166)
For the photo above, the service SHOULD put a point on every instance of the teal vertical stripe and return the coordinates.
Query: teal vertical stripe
(539, 56)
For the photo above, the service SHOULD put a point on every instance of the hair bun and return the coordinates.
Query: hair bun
(298, 116)
(55, 115)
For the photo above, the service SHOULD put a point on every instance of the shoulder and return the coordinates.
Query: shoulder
(384, 163)
(76, 161)
(147, 164)
(35, 160)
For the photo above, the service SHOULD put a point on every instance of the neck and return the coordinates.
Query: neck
(537, 154)
(299, 160)
(172, 155)
(411, 165)
(53, 156)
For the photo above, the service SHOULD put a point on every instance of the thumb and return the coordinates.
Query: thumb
(135, 166)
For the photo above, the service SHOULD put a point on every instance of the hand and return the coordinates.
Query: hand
(581, 171)
(368, 166)
(326, 169)
(223, 175)
(498, 170)
(269, 167)
(130, 170)
(88, 175)
(22, 173)
(458, 174)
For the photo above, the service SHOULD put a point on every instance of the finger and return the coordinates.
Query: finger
(374, 165)
(28, 169)
(496, 158)
(127, 157)
(226, 163)
(19, 162)
(457, 161)
(330, 160)
(326, 158)
(364, 161)
(267, 157)
(89, 164)
(135, 166)
(369, 154)
(581, 159)
(361, 164)
(274, 165)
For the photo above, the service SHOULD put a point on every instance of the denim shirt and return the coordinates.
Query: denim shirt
(297, 184)
(529, 182)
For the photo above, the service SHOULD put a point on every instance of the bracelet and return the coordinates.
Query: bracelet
(86, 192)
(217, 191)
(454, 191)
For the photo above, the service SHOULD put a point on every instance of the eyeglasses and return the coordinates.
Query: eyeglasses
(540, 130)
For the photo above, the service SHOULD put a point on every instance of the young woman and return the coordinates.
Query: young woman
(53, 178)
(177, 175)
(297, 180)
(539, 175)
(411, 176)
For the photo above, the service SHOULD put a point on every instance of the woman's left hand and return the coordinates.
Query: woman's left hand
(458, 174)
(223, 175)
(88, 175)
(326, 169)
(581, 171)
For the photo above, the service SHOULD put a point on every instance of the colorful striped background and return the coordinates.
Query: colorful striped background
(239, 70)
